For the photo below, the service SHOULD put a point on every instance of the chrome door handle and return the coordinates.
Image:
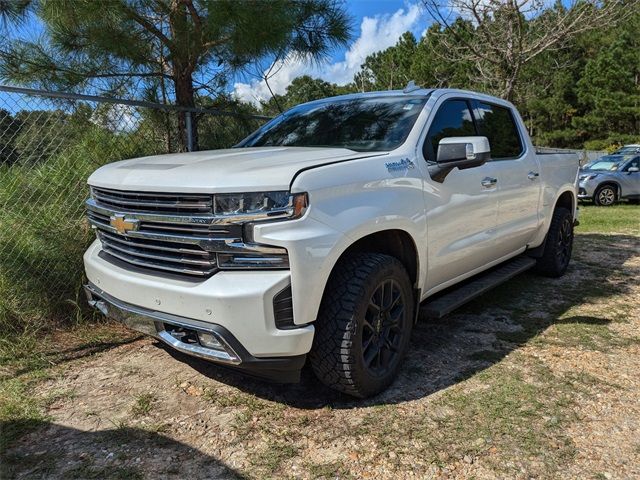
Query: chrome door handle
(488, 182)
(533, 175)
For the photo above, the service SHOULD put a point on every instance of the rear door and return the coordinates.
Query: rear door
(462, 210)
(517, 173)
(630, 181)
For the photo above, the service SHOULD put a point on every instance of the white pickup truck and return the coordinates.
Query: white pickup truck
(320, 235)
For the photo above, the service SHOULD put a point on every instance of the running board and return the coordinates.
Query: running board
(442, 305)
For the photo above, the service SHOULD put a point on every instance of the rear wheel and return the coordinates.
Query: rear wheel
(605, 196)
(559, 245)
(364, 324)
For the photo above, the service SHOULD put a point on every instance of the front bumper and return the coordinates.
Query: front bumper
(237, 303)
(586, 190)
(171, 330)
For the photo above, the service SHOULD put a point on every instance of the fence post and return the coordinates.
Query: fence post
(189, 131)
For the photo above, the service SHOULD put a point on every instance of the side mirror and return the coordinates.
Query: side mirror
(633, 169)
(461, 152)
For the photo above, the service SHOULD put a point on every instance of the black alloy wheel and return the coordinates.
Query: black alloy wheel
(383, 328)
(565, 242)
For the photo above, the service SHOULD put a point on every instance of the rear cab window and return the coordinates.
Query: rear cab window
(499, 126)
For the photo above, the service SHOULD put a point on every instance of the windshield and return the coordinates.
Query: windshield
(611, 163)
(361, 124)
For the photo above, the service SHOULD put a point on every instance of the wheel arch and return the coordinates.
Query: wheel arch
(394, 242)
(609, 182)
(566, 199)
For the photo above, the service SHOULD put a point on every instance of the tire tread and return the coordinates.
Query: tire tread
(332, 355)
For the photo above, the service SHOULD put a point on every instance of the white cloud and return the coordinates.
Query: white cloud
(376, 33)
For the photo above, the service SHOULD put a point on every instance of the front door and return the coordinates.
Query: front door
(462, 210)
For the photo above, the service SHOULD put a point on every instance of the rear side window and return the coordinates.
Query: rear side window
(635, 163)
(498, 125)
(453, 119)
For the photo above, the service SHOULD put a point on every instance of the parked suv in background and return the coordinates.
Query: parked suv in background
(321, 234)
(628, 150)
(611, 178)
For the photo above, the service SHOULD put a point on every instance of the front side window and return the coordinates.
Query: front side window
(453, 119)
(361, 124)
(635, 163)
(498, 125)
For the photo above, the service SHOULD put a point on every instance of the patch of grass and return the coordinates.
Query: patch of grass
(143, 403)
(87, 470)
(329, 471)
(272, 456)
(20, 411)
(592, 333)
(518, 414)
(38, 466)
(621, 218)
(491, 356)
(516, 410)
(28, 359)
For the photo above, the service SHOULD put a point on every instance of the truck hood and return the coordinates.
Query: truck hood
(219, 171)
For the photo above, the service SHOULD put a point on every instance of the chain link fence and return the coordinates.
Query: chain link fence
(49, 144)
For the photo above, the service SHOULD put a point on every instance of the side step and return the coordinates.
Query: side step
(448, 302)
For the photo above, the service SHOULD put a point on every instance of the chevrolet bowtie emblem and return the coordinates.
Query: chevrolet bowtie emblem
(122, 225)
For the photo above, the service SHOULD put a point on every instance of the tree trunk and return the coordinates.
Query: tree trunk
(185, 98)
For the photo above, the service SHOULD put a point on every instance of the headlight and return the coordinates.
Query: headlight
(261, 205)
(252, 208)
(590, 176)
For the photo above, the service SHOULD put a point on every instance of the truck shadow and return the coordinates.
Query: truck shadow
(482, 333)
(62, 452)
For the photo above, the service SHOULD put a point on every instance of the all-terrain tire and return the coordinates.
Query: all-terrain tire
(606, 196)
(345, 329)
(558, 246)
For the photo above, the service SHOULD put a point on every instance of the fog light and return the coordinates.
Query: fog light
(209, 340)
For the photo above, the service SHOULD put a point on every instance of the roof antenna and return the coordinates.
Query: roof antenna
(411, 87)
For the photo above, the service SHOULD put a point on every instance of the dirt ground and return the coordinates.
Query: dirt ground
(538, 379)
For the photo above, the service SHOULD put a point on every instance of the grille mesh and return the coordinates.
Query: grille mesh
(148, 202)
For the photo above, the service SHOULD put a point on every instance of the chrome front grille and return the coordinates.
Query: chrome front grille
(166, 251)
(167, 239)
(168, 203)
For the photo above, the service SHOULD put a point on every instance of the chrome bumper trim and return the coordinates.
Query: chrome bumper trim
(152, 323)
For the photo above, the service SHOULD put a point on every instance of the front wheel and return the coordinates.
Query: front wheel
(364, 324)
(558, 246)
(605, 196)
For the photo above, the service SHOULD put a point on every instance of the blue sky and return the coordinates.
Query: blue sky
(377, 24)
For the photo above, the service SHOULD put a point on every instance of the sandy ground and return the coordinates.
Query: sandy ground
(538, 380)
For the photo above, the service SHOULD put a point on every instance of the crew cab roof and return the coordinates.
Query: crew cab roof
(419, 92)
